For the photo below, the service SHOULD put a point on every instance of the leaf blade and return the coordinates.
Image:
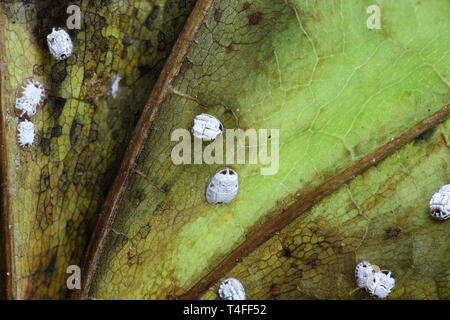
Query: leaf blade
(163, 224)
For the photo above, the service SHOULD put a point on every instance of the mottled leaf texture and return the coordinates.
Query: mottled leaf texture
(344, 97)
(52, 192)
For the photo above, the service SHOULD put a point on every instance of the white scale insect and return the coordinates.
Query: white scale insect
(223, 187)
(206, 127)
(25, 133)
(60, 44)
(378, 284)
(363, 271)
(231, 289)
(30, 98)
(440, 203)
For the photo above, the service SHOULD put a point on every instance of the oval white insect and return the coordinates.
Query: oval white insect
(231, 289)
(29, 98)
(363, 271)
(60, 44)
(223, 187)
(25, 133)
(206, 127)
(440, 203)
(380, 284)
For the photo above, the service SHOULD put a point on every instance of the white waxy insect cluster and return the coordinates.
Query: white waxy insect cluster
(30, 98)
(60, 44)
(440, 203)
(25, 133)
(231, 289)
(223, 187)
(378, 284)
(206, 127)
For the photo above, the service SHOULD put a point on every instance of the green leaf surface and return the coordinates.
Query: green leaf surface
(336, 91)
(52, 192)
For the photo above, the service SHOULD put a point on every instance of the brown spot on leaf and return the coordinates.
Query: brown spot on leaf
(312, 261)
(59, 72)
(392, 233)
(254, 18)
(424, 137)
(70, 227)
(287, 253)
(75, 132)
(57, 106)
(45, 146)
(217, 14)
(56, 131)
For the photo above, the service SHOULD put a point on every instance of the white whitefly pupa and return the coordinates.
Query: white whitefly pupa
(206, 127)
(231, 289)
(60, 44)
(363, 271)
(29, 98)
(25, 133)
(380, 284)
(440, 203)
(223, 187)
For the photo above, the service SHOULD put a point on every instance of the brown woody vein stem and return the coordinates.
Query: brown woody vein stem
(7, 277)
(158, 95)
